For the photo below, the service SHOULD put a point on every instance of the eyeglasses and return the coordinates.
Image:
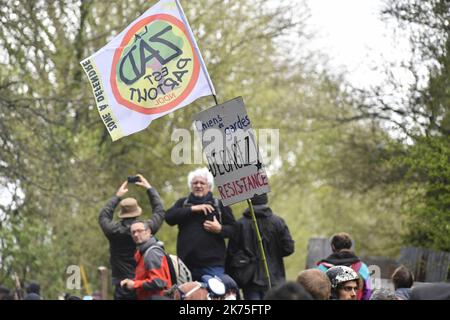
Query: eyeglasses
(138, 231)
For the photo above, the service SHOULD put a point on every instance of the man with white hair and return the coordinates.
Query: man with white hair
(203, 224)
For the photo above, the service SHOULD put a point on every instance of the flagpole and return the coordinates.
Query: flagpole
(202, 63)
(260, 244)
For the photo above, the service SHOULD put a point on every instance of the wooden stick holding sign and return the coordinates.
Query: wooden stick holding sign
(234, 161)
(260, 244)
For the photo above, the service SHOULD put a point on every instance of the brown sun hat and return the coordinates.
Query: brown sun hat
(129, 208)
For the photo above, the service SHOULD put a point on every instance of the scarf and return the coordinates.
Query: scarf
(201, 200)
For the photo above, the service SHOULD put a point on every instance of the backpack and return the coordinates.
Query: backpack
(179, 272)
(356, 267)
(242, 262)
(242, 267)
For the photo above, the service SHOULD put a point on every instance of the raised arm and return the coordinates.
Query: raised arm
(158, 211)
(105, 218)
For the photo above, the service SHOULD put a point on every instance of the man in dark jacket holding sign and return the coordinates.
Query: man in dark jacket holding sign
(277, 243)
(121, 244)
(203, 224)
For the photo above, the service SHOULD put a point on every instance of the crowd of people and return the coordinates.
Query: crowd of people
(142, 269)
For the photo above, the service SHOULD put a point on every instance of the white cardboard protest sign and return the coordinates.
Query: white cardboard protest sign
(230, 147)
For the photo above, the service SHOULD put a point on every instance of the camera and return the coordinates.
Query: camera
(210, 216)
(133, 179)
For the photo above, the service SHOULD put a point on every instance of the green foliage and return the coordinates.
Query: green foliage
(60, 166)
(425, 165)
(428, 174)
(55, 150)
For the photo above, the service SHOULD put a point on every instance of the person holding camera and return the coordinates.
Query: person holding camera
(121, 244)
(203, 224)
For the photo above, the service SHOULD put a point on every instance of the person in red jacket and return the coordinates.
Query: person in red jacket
(152, 269)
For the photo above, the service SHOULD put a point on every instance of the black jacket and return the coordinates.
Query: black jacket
(277, 243)
(121, 244)
(341, 258)
(431, 291)
(197, 247)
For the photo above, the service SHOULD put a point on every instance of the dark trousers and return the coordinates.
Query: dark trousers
(253, 294)
(212, 271)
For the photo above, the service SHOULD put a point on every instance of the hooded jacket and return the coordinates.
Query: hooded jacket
(277, 243)
(349, 259)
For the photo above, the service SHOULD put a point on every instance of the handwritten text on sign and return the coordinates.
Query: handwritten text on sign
(230, 148)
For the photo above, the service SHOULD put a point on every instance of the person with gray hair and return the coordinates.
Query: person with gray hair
(203, 224)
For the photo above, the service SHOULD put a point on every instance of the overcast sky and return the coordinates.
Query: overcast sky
(355, 38)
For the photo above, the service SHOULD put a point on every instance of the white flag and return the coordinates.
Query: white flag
(150, 69)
